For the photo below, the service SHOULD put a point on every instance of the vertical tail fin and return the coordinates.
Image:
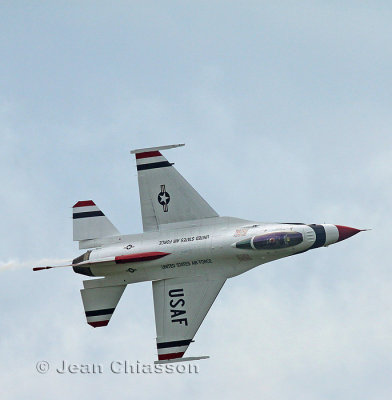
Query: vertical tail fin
(89, 222)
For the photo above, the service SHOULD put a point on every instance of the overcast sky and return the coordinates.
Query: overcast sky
(285, 109)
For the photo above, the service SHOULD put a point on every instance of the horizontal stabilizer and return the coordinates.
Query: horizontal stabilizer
(100, 303)
(89, 222)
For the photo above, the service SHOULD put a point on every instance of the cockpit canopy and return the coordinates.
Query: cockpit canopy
(271, 241)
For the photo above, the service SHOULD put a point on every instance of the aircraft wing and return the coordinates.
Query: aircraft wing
(180, 306)
(165, 196)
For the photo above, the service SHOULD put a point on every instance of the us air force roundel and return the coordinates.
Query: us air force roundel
(164, 198)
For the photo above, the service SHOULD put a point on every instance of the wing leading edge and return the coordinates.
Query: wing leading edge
(180, 307)
(165, 196)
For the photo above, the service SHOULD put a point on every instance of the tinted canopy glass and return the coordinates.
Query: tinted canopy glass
(277, 240)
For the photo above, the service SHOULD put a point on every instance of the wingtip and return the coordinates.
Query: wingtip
(182, 359)
(157, 148)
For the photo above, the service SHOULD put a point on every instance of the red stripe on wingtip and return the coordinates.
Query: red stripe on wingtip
(84, 203)
(97, 324)
(148, 154)
(170, 356)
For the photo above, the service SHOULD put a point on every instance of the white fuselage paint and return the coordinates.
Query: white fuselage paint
(201, 249)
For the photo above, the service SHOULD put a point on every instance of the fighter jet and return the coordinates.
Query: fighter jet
(186, 250)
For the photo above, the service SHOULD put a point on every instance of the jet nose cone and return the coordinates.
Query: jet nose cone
(345, 232)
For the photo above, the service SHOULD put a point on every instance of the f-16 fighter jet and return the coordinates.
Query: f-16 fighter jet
(186, 249)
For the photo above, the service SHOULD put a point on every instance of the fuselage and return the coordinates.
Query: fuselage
(187, 250)
(222, 246)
